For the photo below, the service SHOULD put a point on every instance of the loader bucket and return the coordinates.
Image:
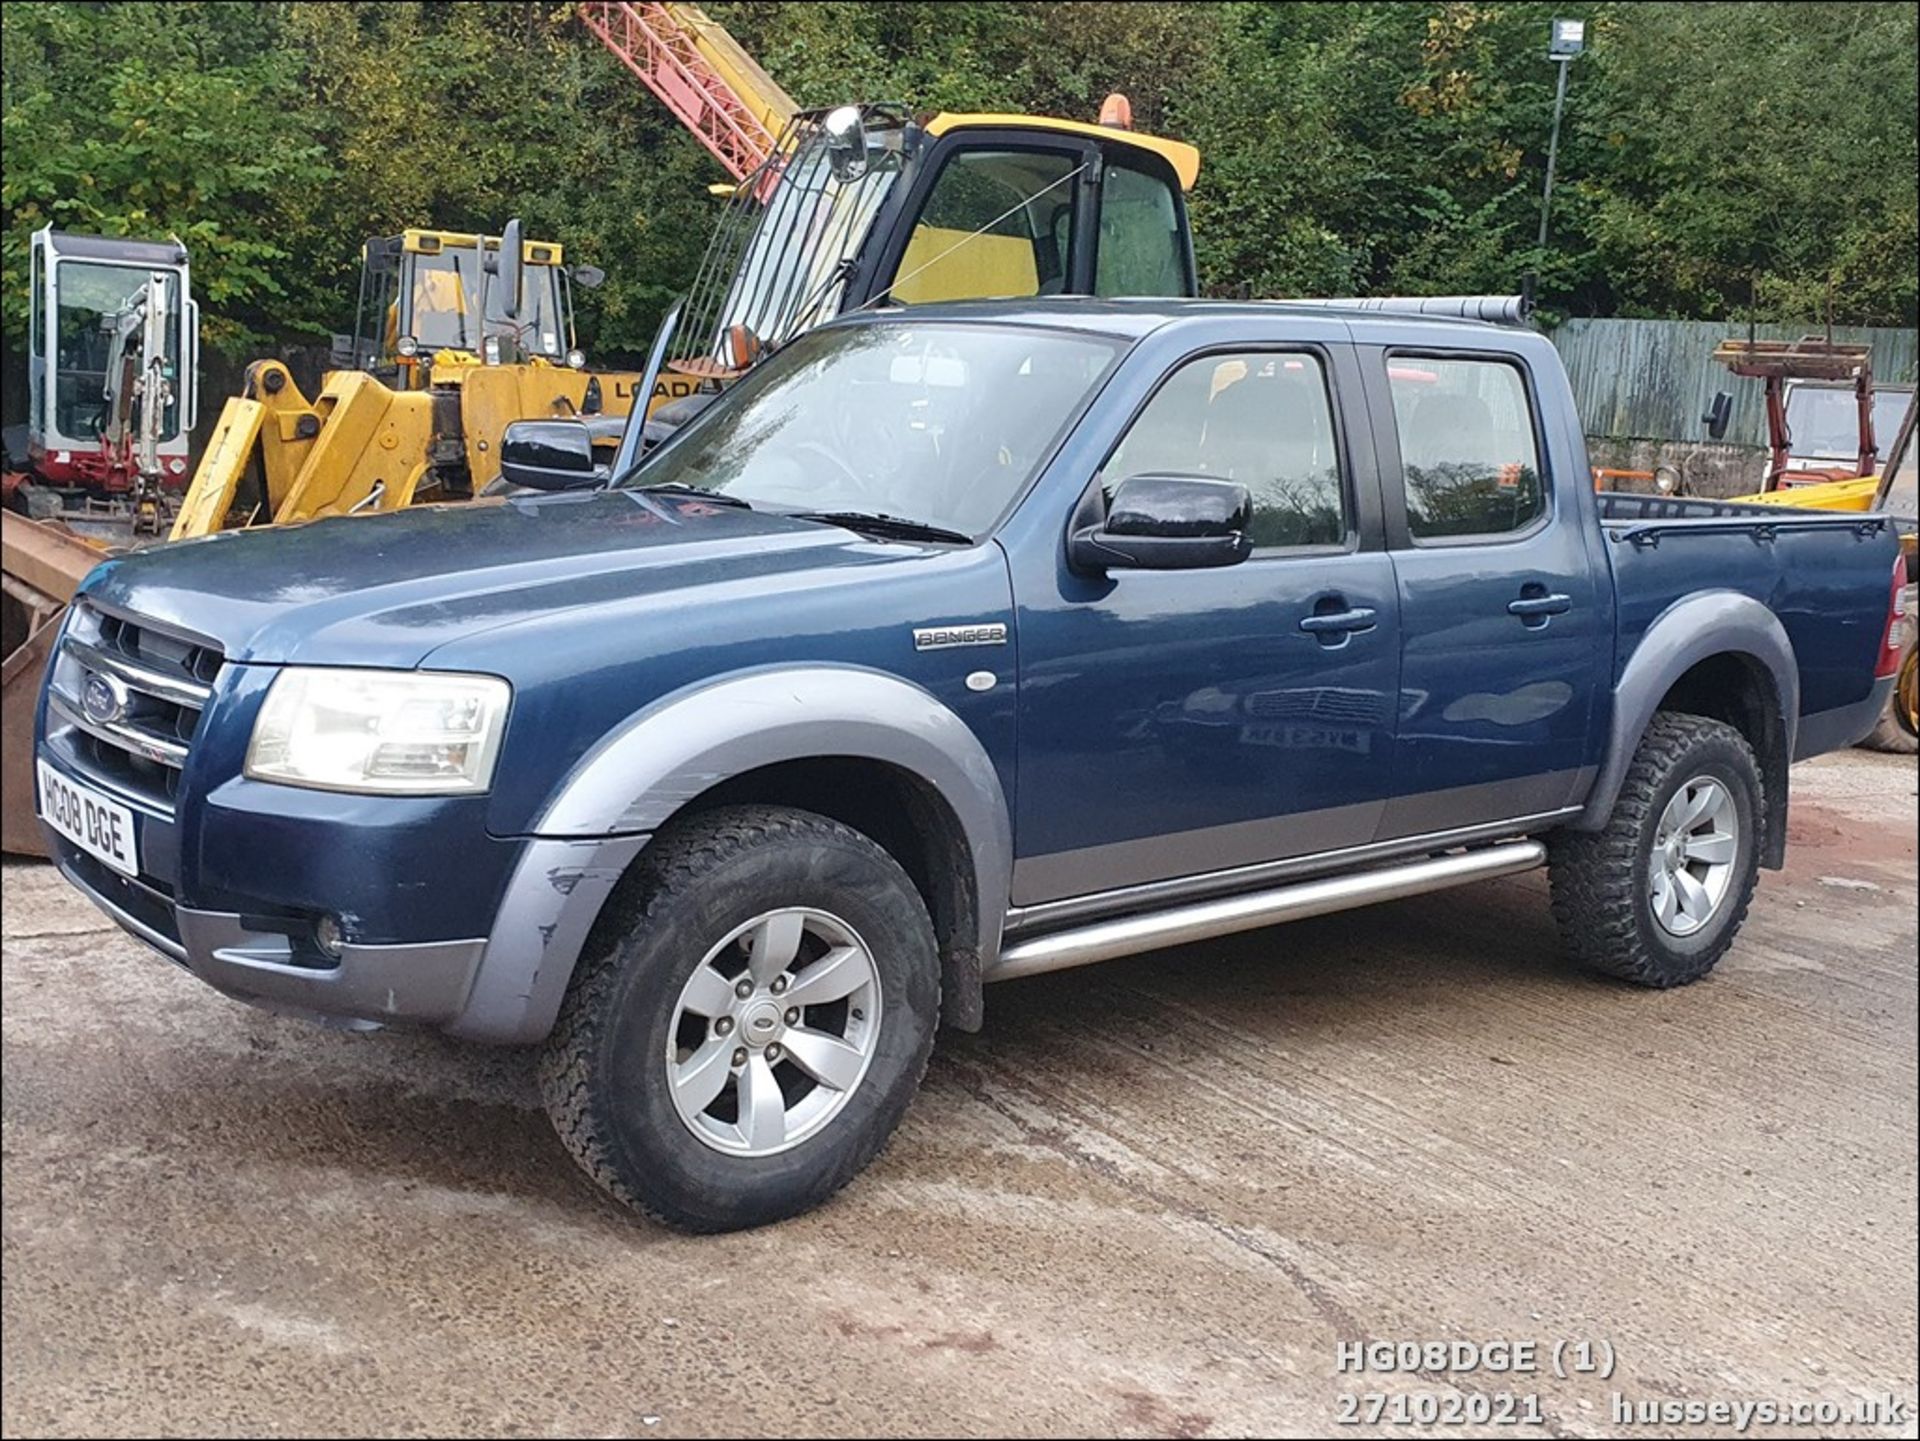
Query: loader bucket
(43, 566)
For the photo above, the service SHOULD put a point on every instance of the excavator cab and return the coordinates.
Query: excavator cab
(430, 296)
(99, 305)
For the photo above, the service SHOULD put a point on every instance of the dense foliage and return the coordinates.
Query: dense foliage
(1716, 160)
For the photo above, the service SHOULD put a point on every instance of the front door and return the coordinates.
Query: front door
(1174, 723)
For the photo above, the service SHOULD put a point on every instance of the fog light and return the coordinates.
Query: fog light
(326, 935)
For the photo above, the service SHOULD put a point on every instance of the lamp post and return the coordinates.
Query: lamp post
(1569, 38)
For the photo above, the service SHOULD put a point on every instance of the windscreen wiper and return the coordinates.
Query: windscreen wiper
(693, 492)
(889, 526)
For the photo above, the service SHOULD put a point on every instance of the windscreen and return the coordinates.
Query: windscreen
(937, 423)
(98, 329)
(780, 257)
(542, 321)
(444, 301)
(1824, 421)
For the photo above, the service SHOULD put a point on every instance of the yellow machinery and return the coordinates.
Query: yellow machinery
(1895, 490)
(862, 206)
(455, 337)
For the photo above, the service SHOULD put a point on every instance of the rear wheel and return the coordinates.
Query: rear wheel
(1658, 896)
(755, 1015)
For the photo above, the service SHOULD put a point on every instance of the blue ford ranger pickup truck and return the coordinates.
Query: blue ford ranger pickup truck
(953, 644)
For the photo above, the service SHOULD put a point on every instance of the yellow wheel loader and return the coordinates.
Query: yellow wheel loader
(455, 336)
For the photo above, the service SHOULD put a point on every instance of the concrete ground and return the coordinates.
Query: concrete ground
(1151, 1199)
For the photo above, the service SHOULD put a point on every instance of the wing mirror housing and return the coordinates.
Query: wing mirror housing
(506, 269)
(1719, 413)
(1167, 522)
(846, 143)
(589, 277)
(551, 455)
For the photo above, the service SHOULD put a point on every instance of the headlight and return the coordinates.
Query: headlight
(406, 345)
(379, 731)
(577, 358)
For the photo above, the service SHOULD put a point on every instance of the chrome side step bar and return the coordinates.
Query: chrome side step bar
(1104, 940)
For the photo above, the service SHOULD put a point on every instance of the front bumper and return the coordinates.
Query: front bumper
(422, 984)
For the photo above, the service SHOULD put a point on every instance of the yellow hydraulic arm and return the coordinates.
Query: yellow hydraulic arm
(358, 446)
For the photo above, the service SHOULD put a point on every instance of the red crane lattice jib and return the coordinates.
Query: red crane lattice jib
(653, 45)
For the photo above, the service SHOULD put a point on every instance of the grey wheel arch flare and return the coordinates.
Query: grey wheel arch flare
(674, 751)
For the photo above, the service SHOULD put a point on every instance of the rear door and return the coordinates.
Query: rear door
(1505, 638)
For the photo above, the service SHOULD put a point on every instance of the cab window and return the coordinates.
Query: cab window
(997, 223)
(1467, 448)
(1264, 419)
(1141, 249)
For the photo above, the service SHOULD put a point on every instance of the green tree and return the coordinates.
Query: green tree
(145, 121)
(1715, 158)
(1753, 156)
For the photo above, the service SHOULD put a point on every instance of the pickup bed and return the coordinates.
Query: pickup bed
(953, 644)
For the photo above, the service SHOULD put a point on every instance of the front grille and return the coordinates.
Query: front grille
(150, 685)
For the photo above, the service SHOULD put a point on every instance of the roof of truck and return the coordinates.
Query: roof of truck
(1132, 319)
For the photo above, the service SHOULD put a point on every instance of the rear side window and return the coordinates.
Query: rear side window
(1467, 447)
(1260, 418)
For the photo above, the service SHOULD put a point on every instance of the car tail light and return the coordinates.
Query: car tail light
(1895, 639)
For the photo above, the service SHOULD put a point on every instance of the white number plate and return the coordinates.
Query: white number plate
(92, 822)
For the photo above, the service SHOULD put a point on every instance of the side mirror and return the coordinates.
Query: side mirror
(1167, 522)
(1718, 414)
(846, 143)
(588, 277)
(507, 269)
(550, 455)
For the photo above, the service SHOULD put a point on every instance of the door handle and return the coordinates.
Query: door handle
(1540, 605)
(1357, 619)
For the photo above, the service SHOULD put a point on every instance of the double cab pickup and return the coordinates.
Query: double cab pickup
(952, 644)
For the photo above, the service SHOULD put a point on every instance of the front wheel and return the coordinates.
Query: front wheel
(755, 1015)
(1658, 896)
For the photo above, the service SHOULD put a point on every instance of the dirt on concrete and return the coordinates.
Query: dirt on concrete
(1153, 1198)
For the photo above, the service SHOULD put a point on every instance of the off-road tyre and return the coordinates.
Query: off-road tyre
(603, 1070)
(1600, 882)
